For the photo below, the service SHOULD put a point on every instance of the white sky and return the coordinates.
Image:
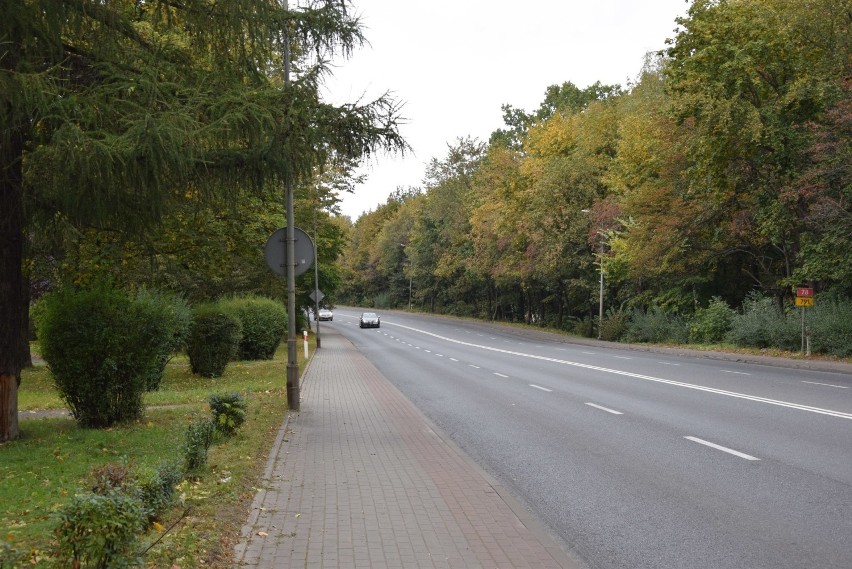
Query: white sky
(453, 63)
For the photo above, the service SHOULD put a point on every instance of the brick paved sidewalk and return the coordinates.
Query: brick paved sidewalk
(359, 478)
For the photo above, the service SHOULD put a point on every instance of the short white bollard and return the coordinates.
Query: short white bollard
(305, 336)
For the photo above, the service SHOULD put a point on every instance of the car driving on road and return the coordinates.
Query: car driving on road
(325, 314)
(369, 320)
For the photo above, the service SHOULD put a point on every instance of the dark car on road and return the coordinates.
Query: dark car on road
(369, 320)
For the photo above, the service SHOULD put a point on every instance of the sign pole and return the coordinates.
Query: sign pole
(804, 298)
(293, 395)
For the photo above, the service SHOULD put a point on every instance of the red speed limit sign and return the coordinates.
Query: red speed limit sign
(804, 292)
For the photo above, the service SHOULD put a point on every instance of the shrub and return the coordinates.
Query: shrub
(213, 341)
(229, 412)
(168, 318)
(112, 477)
(614, 325)
(761, 325)
(830, 323)
(11, 558)
(157, 488)
(100, 347)
(264, 324)
(583, 327)
(654, 325)
(199, 437)
(99, 531)
(709, 325)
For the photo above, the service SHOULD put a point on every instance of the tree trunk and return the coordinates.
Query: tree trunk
(11, 281)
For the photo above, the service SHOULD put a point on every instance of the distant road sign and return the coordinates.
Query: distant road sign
(804, 292)
(317, 297)
(804, 301)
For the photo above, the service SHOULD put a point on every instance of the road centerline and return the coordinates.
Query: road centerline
(716, 391)
(602, 408)
(721, 448)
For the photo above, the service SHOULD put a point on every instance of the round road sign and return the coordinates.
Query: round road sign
(275, 251)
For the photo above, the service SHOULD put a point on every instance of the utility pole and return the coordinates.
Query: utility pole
(316, 271)
(293, 395)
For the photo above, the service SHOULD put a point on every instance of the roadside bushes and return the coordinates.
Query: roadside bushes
(213, 341)
(101, 528)
(102, 347)
(830, 324)
(762, 325)
(654, 325)
(264, 323)
(169, 318)
(614, 325)
(99, 531)
(710, 325)
(229, 412)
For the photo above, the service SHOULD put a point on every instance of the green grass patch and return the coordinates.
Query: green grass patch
(53, 459)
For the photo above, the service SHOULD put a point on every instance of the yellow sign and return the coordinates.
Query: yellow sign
(804, 301)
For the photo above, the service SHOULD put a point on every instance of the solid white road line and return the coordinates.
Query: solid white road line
(721, 448)
(602, 408)
(735, 394)
(542, 388)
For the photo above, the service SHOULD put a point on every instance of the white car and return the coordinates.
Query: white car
(369, 320)
(325, 314)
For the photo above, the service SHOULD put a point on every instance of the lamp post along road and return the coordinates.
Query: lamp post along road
(293, 395)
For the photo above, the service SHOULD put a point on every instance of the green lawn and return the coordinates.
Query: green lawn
(54, 458)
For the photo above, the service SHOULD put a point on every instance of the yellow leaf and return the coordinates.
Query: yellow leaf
(158, 526)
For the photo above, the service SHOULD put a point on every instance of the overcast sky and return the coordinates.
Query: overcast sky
(454, 63)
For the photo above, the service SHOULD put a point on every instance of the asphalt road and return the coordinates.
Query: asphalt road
(637, 459)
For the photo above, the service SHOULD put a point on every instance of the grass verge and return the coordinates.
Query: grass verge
(53, 459)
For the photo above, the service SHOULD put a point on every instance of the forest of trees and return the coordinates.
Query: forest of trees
(722, 174)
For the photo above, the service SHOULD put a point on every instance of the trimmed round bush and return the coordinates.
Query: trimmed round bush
(264, 324)
(170, 318)
(100, 346)
(213, 341)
